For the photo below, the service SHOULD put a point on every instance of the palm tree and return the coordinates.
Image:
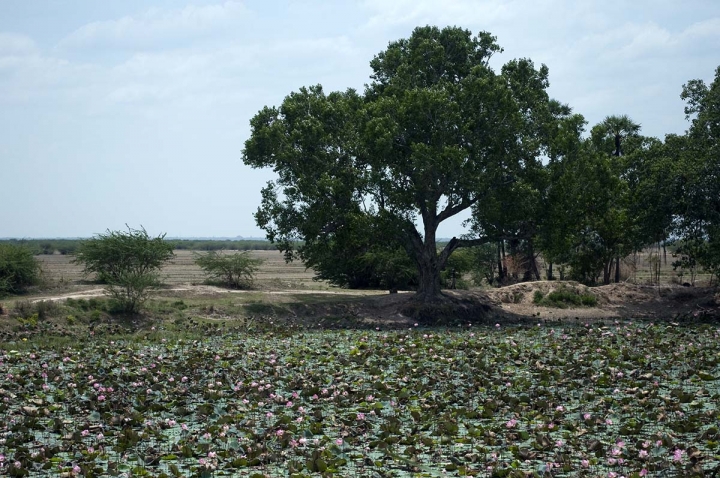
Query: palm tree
(617, 129)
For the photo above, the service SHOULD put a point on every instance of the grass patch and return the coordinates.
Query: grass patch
(564, 297)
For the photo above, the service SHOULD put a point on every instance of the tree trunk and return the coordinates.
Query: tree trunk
(504, 262)
(533, 260)
(617, 269)
(429, 290)
(500, 264)
(429, 265)
(549, 274)
(606, 271)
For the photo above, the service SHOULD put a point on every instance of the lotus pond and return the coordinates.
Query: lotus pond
(621, 399)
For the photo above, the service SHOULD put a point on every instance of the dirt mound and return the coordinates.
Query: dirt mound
(613, 300)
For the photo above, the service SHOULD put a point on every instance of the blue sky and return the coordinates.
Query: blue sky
(136, 112)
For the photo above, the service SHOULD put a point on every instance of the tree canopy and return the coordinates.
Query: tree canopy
(18, 269)
(436, 131)
(364, 180)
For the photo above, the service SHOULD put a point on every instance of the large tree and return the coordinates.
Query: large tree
(435, 132)
(697, 214)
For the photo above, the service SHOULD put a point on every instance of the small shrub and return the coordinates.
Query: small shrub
(114, 307)
(232, 270)
(180, 305)
(129, 262)
(71, 319)
(517, 297)
(564, 297)
(29, 322)
(23, 308)
(46, 309)
(95, 303)
(18, 269)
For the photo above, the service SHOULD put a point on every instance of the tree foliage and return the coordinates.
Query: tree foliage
(434, 133)
(18, 269)
(235, 270)
(698, 208)
(128, 262)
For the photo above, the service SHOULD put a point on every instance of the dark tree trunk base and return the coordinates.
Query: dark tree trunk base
(446, 309)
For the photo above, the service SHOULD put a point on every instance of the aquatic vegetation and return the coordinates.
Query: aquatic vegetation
(624, 399)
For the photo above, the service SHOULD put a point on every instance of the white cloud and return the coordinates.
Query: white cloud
(385, 14)
(12, 44)
(157, 25)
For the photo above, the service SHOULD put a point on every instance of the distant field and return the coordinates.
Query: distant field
(274, 271)
(638, 268)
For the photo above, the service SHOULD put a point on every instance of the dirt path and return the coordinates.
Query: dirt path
(205, 290)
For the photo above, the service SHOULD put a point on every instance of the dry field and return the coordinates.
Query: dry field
(274, 272)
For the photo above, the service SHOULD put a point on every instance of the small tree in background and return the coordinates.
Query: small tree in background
(18, 269)
(233, 270)
(128, 262)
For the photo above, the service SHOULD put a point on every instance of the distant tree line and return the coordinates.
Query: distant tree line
(70, 246)
(221, 245)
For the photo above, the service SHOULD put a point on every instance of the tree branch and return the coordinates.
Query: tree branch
(456, 243)
(450, 211)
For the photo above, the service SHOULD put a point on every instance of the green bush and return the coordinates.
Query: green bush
(564, 297)
(29, 322)
(23, 309)
(129, 262)
(232, 270)
(46, 309)
(18, 269)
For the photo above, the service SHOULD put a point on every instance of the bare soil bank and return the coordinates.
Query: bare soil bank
(507, 304)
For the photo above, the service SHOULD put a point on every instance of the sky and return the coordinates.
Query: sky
(136, 112)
